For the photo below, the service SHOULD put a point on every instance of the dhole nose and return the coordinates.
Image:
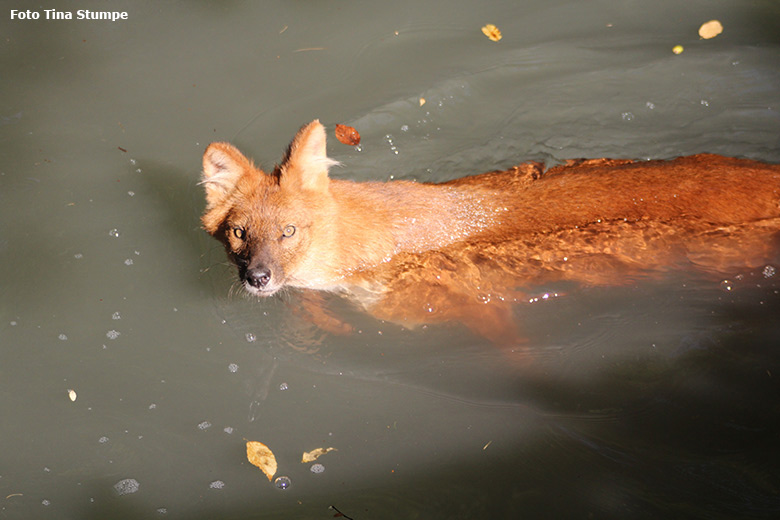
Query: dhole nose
(259, 277)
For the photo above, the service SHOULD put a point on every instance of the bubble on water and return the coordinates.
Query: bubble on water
(650, 105)
(317, 468)
(393, 148)
(627, 116)
(129, 261)
(404, 128)
(282, 482)
(726, 285)
(251, 338)
(705, 103)
(113, 334)
(116, 316)
(769, 271)
(114, 233)
(204, 425)
(217, 484)
(78, 256)
(126, 486)
(131, 193)
(162, 510)
(228, 430)
(152, 406)
(283, 386)
(233, 367)
(63, 337)
(45, 502)
(103, 440)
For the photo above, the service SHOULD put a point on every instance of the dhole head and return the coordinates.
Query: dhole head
(267, 222)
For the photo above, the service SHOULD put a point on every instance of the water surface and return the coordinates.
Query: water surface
(644, 401)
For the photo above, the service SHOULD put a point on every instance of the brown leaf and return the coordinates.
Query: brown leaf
(261, 456)
(347, 135)
(492, 32)
(313, 455)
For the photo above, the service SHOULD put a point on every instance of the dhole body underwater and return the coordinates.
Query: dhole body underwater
(465, 250)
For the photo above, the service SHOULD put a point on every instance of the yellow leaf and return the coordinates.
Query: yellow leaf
(422, 101)
(710, 29)
(312, 455)
(677, 49)
(261, 456)
(492, 32)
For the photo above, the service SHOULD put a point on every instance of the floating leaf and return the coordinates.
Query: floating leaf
(710, 29)
(313, 455)
(492, 32)
(347, 135)
(677, 49)
(72, 394)
(422, 101)
(261, 456)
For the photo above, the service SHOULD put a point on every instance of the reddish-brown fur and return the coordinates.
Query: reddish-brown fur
(463, 250)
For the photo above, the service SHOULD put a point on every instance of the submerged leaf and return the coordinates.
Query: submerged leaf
(313, 455)
(261, 456)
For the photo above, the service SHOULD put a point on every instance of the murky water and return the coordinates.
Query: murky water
(645, 401)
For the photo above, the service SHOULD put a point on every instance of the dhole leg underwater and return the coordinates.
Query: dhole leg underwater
(464, 250)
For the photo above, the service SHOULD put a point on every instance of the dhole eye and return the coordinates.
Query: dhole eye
(239, 233)
(289, 231)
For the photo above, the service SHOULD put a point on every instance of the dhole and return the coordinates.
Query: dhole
(463, 250)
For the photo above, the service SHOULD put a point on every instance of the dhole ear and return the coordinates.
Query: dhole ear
(306, 163)
(223, 165)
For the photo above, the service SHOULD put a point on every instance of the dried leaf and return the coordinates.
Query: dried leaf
(492, 32)
(422, 101)
(677, 49)
(313, 455)
(72, 394)
(710, 29)
(347, 135)
(261, 456)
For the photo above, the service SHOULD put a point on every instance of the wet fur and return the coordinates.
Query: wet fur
(464, 250)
